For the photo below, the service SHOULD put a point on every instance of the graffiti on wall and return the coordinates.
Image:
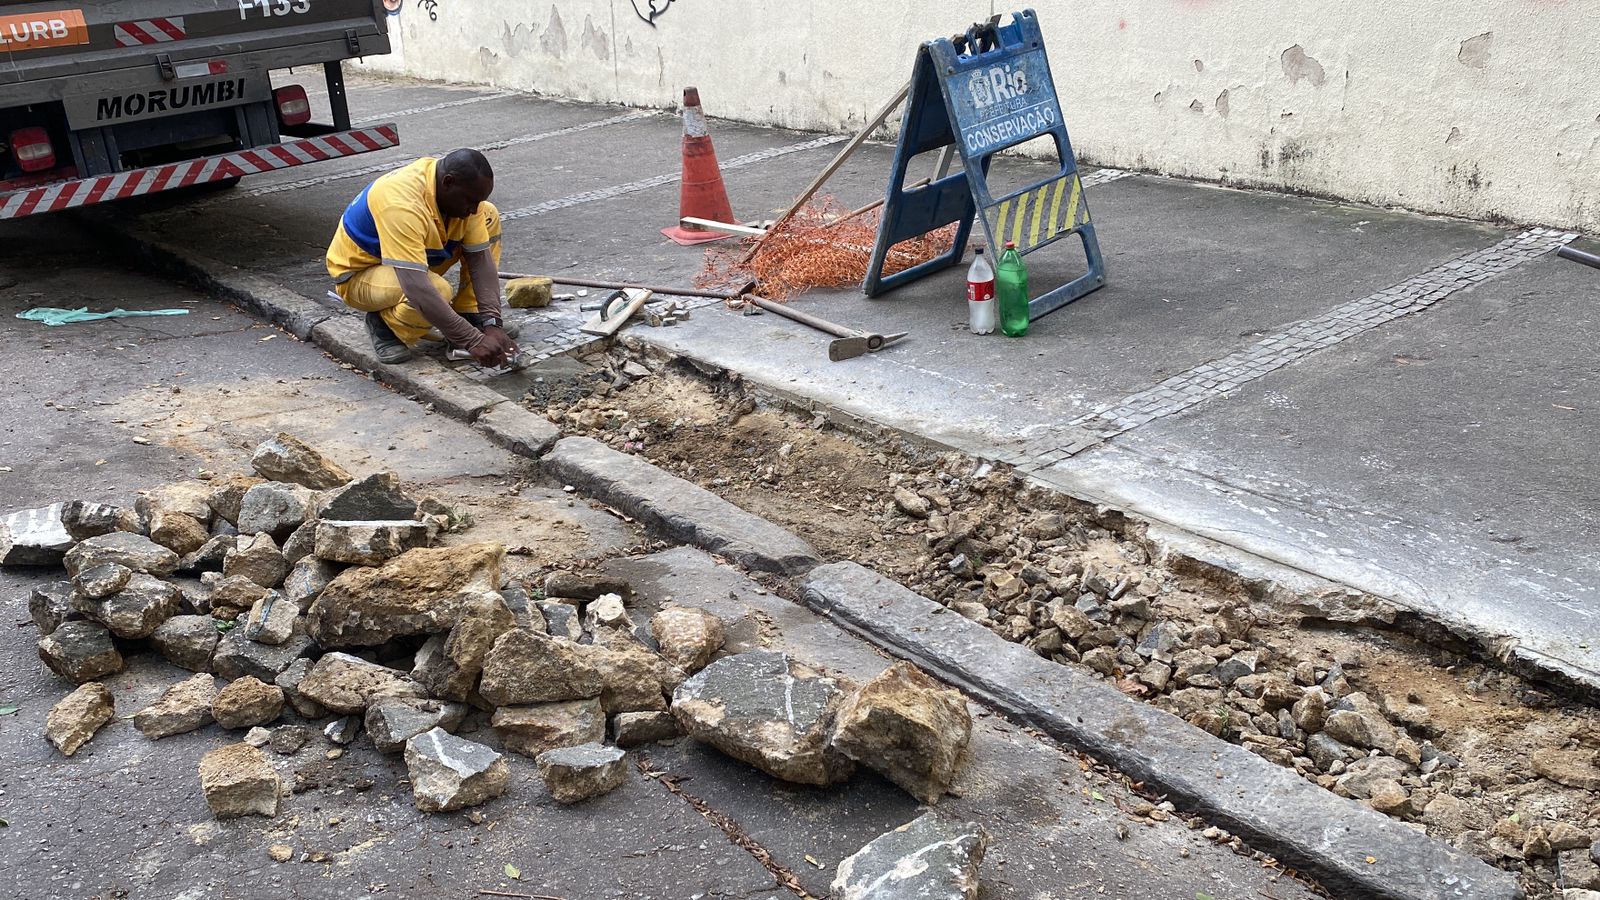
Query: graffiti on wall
(432, 8)
(653, 10)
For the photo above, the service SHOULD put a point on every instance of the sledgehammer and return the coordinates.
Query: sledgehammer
(849, 343)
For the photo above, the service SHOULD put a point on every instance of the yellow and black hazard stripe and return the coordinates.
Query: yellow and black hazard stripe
(1046, 212)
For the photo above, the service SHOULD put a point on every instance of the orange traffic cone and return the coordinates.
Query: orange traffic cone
(703, 195)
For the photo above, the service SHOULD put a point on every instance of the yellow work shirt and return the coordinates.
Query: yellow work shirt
(395, 222)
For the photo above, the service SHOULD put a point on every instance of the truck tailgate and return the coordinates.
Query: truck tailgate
(65, 39)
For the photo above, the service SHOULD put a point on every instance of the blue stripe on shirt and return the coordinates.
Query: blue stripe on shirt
(360, 226)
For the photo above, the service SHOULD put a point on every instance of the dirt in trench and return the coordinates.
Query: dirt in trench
(1475, 756)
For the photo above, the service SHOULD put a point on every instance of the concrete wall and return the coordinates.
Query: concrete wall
(1480, 108)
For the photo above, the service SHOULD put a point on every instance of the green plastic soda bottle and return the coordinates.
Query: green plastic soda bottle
(1011, 291)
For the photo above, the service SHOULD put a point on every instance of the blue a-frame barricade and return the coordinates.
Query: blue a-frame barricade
(985, 91)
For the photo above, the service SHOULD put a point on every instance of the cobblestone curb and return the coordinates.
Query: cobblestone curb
(1351, 849)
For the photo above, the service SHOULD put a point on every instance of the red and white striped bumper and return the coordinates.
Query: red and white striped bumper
(78, 192)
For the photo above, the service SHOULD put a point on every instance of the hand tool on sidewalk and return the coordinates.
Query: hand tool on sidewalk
(848, 343)
(614, 311)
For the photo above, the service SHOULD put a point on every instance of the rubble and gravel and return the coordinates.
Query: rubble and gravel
(575, 774)
(238, 780)
(1312, 683)
(450, 773)
(75, 719)
(181, 708)
(928, 858)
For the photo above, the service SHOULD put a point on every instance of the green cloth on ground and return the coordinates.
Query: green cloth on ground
(53, 316)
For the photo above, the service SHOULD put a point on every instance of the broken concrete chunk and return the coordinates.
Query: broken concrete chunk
(910, 502)
(532, 730)
(34, 537)
(289, 739)
(688, 636)
(392, 721)
(908, 727)
(343, 730)
(49, 605)
(1573, 768)
(607, 611)
(187, 641)
(449, 773)
(573, 774)
(633, 679)
(368, 543)
(80, 651)
(238, 656)
(524, 667)
(271, 620)
(306, 580)
(258, 559)
(375, 498)
(419, 592)
(1238, 666)
(84, 520)
(287, 458)
(137, 610)
(182, 707)
(926, 859)
(452, 673)
(274, 507)
(228, 495)
(347, 684)
(210, 556)
(135, 551)
(635, 729)
(301, 543)
(583, 586)
(73, 721)
(1357, 721)
(765, 710)
(561, 620)
(247, 702)
(258, 737)
(235, 596)
(289, 679)
(237, 780)
(189, 498)
(182, 534)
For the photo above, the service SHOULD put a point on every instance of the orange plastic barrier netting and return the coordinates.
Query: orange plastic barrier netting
(816, 248)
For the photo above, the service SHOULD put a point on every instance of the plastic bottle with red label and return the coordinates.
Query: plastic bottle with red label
(980, 296)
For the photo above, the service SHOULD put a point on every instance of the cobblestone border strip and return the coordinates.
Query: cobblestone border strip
(644, 184)
(1106, 176)
(1292, 344)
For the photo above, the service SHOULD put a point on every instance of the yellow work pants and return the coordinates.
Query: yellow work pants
(377, 289)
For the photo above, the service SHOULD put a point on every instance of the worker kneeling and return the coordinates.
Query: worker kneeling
(397, 239)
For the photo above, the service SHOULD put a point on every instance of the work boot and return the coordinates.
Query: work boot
(389, 349)
(477, 320)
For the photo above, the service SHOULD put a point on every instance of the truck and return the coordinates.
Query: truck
(102, 100)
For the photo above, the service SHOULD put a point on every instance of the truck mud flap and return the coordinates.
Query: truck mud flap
(77, 192)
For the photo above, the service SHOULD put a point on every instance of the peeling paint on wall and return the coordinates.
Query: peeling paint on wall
(1222, 104)
(1455, 135)
(1196, 106)
(554, 39)
(596, 40)
(1474, 52)
(1297, 65)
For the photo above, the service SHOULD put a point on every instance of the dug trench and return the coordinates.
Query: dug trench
(1323, 683)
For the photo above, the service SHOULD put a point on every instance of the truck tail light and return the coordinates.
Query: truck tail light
(32, 150)
(294, 108)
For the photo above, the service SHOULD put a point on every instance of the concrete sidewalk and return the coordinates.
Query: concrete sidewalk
(1399, 403)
